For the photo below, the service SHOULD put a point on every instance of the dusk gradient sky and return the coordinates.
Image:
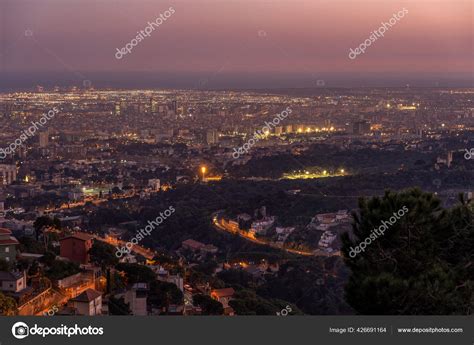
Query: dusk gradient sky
(219, 40)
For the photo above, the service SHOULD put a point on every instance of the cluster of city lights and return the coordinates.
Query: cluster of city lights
(316, 129)
(299, 174)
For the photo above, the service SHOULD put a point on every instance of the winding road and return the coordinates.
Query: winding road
(220, 226)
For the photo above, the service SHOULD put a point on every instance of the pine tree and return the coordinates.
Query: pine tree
(421, 265)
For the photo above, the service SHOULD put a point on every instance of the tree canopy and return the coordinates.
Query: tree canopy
(103, 254)
(422, 264)
(208, 305)
(8, 305)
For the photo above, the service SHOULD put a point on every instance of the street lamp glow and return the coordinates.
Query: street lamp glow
(203, 170)
(342, 171)
(325, 172)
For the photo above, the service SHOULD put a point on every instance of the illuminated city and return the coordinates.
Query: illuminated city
(221, 158)
(109, 158)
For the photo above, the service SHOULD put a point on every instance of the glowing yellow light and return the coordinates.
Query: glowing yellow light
(203, 170)
(308, 129)
(388, 105)
(342, 171)
(325, 172)
(307, 172)
(27, 179)
(300, 130)
(331, 129)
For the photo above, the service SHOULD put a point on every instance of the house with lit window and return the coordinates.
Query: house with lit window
(13, 284)
(12, 281)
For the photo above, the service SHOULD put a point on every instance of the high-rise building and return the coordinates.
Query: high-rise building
(449, 158)
(117, 109)
(153, 106)
(154, 184)
(44, 139)
(361, 127)
(212, 137)
(7, 173)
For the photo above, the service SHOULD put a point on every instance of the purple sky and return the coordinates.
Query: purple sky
(218, 38)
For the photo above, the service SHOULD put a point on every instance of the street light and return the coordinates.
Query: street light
(203, 170)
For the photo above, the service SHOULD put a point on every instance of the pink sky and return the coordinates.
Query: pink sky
(302, 36)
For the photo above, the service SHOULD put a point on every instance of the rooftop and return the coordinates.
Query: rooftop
(4, 231)
(227, 292)
(5, 275)
(194, 244)
(8, 241)
(80, 236)
(87, 296)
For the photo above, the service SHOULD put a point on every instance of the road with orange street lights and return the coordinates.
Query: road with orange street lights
(220, 226)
